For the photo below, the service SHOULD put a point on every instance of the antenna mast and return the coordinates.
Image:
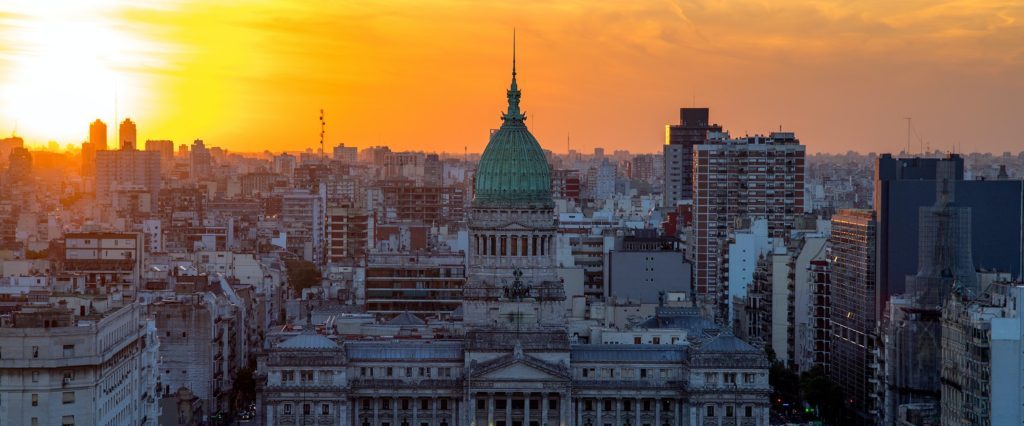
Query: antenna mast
(323, 124)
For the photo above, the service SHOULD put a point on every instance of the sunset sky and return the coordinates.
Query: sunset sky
(431, 75)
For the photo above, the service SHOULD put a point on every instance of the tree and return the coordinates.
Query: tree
(302, 274)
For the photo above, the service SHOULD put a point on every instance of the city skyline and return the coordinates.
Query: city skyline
(253, 77)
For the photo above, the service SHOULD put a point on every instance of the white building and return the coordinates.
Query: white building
(60, 367)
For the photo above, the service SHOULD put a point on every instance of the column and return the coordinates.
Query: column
(415, 411)
(579, 411)
(544, 409)
(433, 412)
(394, 410)
(490, 409)
(508, 409)
(355, 413)
(675, 406)
(618, 410)
(376, 411)
(600, 408)
(636, 411)
(657, 412)
(564, 409)
(526, 409)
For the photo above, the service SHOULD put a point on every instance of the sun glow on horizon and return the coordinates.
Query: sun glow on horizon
(64, 67)
(251, 75)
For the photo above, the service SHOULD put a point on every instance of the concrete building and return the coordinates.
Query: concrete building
(166, 150)
(981, 357)
(127, 135)
(693, 129)
(644, 267)
(349, 229)
(419, 283)
(111, 262)
(752, 177)
(345, 154)
(78, 362)
(127, 170)
(302, 216)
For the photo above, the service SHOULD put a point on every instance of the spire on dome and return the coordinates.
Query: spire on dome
(513, 115)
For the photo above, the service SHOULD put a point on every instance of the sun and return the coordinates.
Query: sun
(62, 69)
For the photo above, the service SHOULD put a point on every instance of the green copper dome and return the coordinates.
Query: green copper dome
(513, 170)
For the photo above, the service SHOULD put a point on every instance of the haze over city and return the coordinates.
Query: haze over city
(428, 75)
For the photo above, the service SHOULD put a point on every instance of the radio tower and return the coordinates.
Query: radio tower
(323, 124)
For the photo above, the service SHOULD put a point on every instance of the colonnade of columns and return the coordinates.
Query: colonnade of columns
(529, 408)
(628, 411)
(405, 411)
(522, 245)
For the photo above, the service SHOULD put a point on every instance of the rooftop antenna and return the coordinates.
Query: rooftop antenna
(323, 124)
(908, 134)
(568, 149)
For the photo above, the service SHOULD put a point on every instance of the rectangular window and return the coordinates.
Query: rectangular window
(390, 371)
(69, 351)
(728, 411)
(306, 409)
(325, 409)
(67, 421)
(68, 398)
(709, 411)
(35, 400)
(287, 408)
(444, 404)
(748, 411)
(35, 352)
(35, 377)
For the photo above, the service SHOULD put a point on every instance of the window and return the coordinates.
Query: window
(69, 376)
(306, 409)
(390, 372)
(325, 409)
(729, 411)
(35, 400)
(69, 351)
(424, 404)
(287, 408)
(287, 376)
(307, 376)
(710, 378)
(35, 421)
(656, 340)
(709, 411)
(385, 404)
(35, 377)
(68, 398)
(748, 377)
(408, 372)
(35, 352)
(67, 421)
(607, 405)
(583, 372)
(444, 404)
(748, 411)
(729, 378)
(643, 373)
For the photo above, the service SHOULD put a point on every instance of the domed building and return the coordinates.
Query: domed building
(512, 282)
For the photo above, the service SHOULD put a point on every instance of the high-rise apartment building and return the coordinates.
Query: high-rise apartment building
(98, 135)
(165, 148)
(127, 135)
(348, 231)
(693, 129)
(127, 169)
(855, 306)
(750, 177)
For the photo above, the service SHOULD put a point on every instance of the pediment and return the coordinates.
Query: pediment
(526, 368)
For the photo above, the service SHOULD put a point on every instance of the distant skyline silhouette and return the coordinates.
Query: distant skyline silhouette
(422, 75)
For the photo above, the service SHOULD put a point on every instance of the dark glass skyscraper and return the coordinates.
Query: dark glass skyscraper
(855, 306)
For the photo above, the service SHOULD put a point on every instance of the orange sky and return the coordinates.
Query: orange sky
(431, 75)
